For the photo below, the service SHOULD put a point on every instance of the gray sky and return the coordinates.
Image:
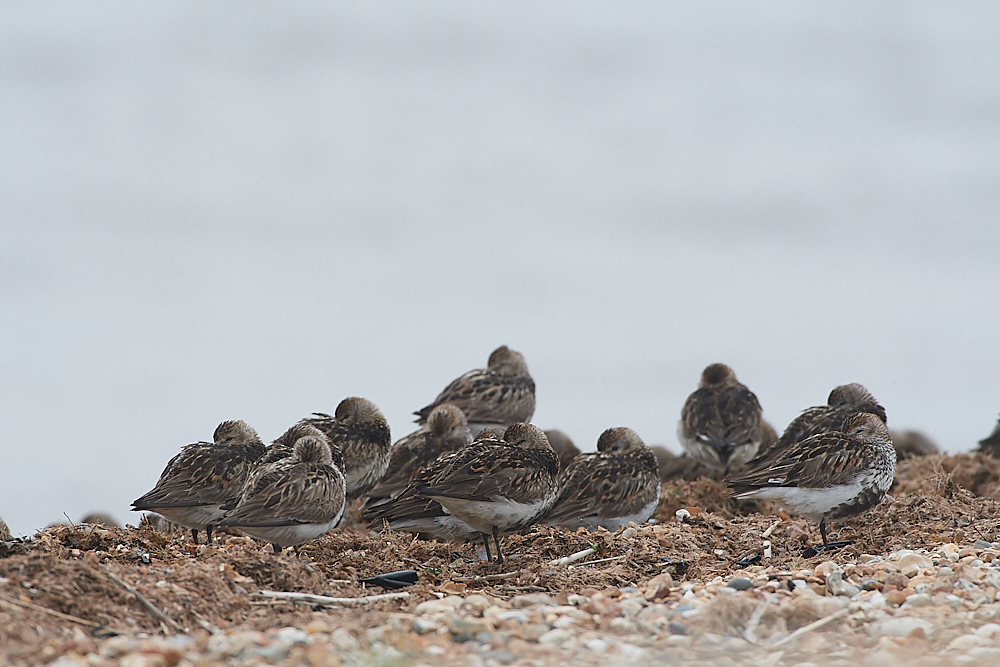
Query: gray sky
(255, 210)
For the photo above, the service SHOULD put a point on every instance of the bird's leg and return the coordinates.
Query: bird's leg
(827, 544)
(277, 549)
(194, 535)
(496, 538)
(486, 543)
(208, 535)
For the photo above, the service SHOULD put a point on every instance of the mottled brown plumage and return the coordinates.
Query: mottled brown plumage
(446, 431)
(499, 486)
(283, 447)
(295, 500)
(563, 446)
(843, 401)
(204, 477)
(720, 423)
(361, 432)
(4, 531)
(497, 396)
(611, 487)
(829, 475)
(412, 512)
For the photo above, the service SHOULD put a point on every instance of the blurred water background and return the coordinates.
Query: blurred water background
(250, 210)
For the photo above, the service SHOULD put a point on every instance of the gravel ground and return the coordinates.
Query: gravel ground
(918, 587)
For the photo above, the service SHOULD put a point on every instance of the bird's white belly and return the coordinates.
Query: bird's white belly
(289, 536)
(196, 518)
(812, 502)
(503, 513)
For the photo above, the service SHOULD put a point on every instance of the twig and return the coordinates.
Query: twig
(57, 614)
(203, 622)
(601, 560)
(566, 560)
(767, 533)
(812, 626)
(758, 613)
(322, 599)
(145, 602)
(487, 577)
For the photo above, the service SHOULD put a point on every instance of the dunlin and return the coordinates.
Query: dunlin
(100, 519)
(409, 511)
(446, 431)
(203, 477)
(295, 500)
(991, 443)
(611, 487)
(910, 444)
(500, 486)
(830, 475)
(843, 401)
(361, 432)
(720, 423)
(501, 394)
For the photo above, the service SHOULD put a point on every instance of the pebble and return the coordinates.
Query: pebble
(522, 601)
(937, 604)
(344, 640)
(464, 629)
(911, 564)
(534, 631)
(632, 606)
(555, 636)
(438, 606)
(918, 600)
(424, 625)
(740, 584)
(291, 636)
(987, 629)
(899, 627)
(836, 585)
(965, 642)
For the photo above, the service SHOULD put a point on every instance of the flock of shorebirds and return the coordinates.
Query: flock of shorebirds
(476, 468)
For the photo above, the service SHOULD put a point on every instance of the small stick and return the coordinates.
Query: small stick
(57, 614)
(204, 623)
(322, 599)
(812, 626)
(767, 533)
(146, 603)
(566, 560)
(601, 560)
(758, 613)
(488, 577)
